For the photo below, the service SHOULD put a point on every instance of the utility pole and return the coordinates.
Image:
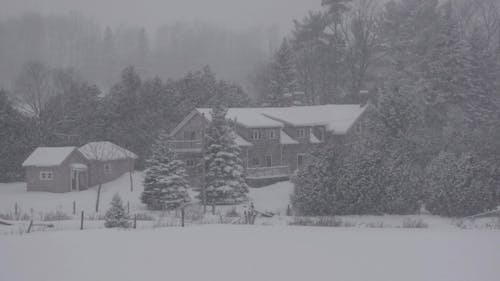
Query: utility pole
(203, 181)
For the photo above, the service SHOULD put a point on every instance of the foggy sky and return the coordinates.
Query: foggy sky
(236, 14)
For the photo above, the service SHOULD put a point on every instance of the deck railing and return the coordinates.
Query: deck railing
(268, 172)
(186, 145)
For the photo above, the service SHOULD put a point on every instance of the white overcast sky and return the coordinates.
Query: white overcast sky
(238, 14)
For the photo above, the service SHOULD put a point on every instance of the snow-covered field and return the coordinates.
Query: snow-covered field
(223, 252)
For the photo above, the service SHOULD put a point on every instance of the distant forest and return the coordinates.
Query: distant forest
(99, 53)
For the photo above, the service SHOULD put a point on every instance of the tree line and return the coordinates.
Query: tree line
(433, 127)
(57, 108)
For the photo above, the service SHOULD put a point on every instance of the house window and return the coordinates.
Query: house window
(107, 168)
(300, 160)
(321, 134)
(256, 135)
(273, 134)
(269, 161)
(46, 176)
(255, 161)
(190, 163)
(189, 135)
(301, 133)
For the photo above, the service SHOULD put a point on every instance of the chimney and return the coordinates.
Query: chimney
(364, 98)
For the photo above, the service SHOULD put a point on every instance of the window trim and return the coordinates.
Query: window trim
(273, 134)
(46, 175)
(256, 134)
(266, 158)
(300, 155)
(301, 133)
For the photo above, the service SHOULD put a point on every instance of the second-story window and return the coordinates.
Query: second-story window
(256, 135)
(301, 133)
(273, 134)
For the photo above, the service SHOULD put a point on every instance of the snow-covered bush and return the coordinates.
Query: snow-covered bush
(225, 176)
(457, 186)
(165, 183)
(116, 215)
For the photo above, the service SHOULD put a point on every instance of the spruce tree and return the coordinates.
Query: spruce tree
(116, 215)
(283, 76)
(165, 183)
(224, 179)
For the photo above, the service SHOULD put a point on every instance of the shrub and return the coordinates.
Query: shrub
(321, 221)
(458, 186)
(414, 223)
(116, 215)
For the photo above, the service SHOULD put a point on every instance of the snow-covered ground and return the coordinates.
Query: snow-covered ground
(223, 252)
(12, 193)
(273, 198)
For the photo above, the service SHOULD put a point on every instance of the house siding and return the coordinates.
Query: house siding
(98, 174)
(61, 175)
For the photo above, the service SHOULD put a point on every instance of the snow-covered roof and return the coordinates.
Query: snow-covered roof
(105, 151)
(313, 139)
(286, 139)
(48, 156)
(240, 141)
(337, 118)
(248, 117)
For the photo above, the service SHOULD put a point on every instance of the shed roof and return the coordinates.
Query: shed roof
(105, 151)
(48, 156)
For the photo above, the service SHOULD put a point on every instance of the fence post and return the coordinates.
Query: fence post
(182, 216)
(74, 208)
(81, 222)
(135, 221)
(29, 227)
(128, 207)
(213, 208)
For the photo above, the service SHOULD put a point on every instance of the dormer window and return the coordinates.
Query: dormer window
(301, 133)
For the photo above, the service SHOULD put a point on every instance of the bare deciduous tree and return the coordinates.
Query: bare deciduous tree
(34, 86)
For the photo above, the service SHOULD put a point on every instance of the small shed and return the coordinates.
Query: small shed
(56, 169)
(107, 160)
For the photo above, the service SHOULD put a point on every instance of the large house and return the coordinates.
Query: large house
(274, 141)
(65, 169)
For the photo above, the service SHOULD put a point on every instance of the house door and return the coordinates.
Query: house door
(269, 161)
(75, 180)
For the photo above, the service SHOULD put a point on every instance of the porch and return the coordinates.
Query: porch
(268, 172)
(186, 145)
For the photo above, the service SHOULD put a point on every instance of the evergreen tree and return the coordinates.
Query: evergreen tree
(283, 76)
(165, 183)
(224, 179)
(116, 215)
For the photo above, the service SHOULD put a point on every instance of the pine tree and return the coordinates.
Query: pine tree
(224, 180)
(165, 183)
(116, 215)
(283, 76)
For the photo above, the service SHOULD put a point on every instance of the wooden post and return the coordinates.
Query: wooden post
(213, 208)
(182, 216)
(131, 179)
(135, 221)
(29, 227)
(128, 207)
(81, 222)
(203, 181)
(74, 208)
